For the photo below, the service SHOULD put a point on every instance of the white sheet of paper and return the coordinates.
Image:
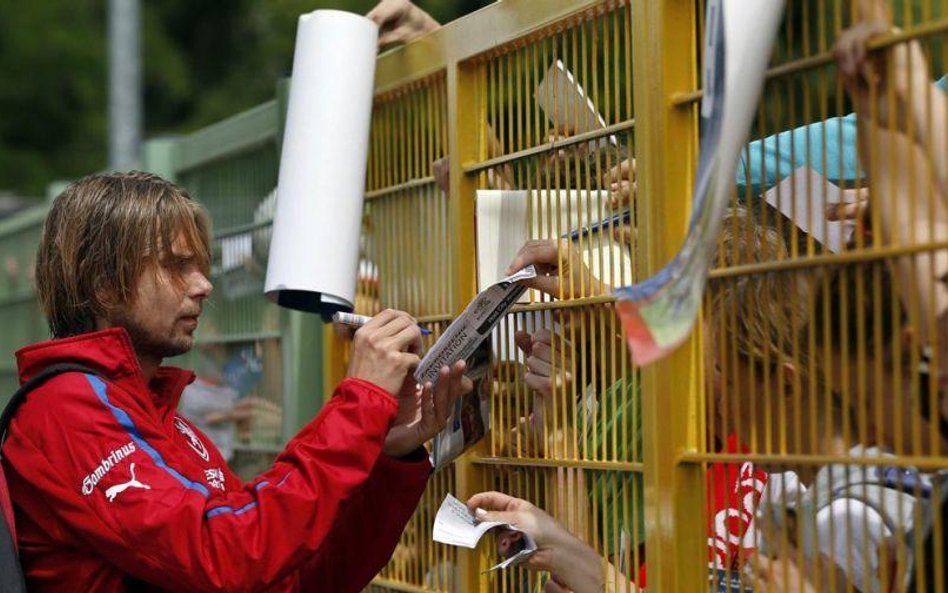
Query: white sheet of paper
(500, 232)
(566, 105)
(503, 227)
(456, 526)
(504, 224)
(802, 197)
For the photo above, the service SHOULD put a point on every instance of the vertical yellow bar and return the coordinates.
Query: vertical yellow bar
(466, 124)
(664, 37)
(334, 366)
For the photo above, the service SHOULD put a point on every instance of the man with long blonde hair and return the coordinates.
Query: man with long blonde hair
(113, 491)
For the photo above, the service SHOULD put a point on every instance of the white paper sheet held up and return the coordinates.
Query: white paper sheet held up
(473, 325)
(506, 219)
(803, 197)
(454, 525)
(566, 105)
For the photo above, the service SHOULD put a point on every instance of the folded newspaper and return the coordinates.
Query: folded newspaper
(454, 525)
(470, 418)
(466, 338)
(474, 325)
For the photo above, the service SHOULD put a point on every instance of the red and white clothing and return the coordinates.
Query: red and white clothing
(114, 491)
(734, 491)
(733, 495)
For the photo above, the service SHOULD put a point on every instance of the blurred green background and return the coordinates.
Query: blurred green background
(202, 61)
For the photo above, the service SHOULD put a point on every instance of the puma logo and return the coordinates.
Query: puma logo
(114, 491)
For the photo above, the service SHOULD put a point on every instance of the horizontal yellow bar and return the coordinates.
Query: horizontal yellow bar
(916, 461)
(623, 126)
(828, 259)
(399, 187)
(398, 585)
(477, 33)
(828, 57)
(630, 466)
(567, 304)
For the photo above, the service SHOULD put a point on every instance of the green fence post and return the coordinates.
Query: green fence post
(158, 157)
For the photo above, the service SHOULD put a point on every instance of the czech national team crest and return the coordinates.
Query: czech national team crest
(193, 439)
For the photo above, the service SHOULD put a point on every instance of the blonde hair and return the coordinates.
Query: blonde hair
(101, 234)
(762, 314)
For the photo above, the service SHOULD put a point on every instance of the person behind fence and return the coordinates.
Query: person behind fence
(611, 416)
(905, 155)
(839, 508)
(908, 160)
(113, 491)
(763, 391)
(604, 415)
(865, 515)
(861, 507)
(733, 489)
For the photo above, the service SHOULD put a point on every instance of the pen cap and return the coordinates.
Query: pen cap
(314, 252)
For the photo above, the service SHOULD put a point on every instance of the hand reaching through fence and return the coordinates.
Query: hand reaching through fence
(550, 536)
(907, 197)
(854, 208)
(865, 74)
(561, 272)
(901, 73)
(572, 564)
(620, 180)
(549, 365)
(582, 166)
(549, 372)
(400, 21)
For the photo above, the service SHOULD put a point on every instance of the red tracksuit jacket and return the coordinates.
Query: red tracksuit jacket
(113, 491)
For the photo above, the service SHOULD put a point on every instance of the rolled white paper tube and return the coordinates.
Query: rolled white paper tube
(314, 252)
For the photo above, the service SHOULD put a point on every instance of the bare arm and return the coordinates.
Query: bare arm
(572, 563)
(898, 77)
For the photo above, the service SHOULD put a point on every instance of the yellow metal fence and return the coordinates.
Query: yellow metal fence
(677, 468)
